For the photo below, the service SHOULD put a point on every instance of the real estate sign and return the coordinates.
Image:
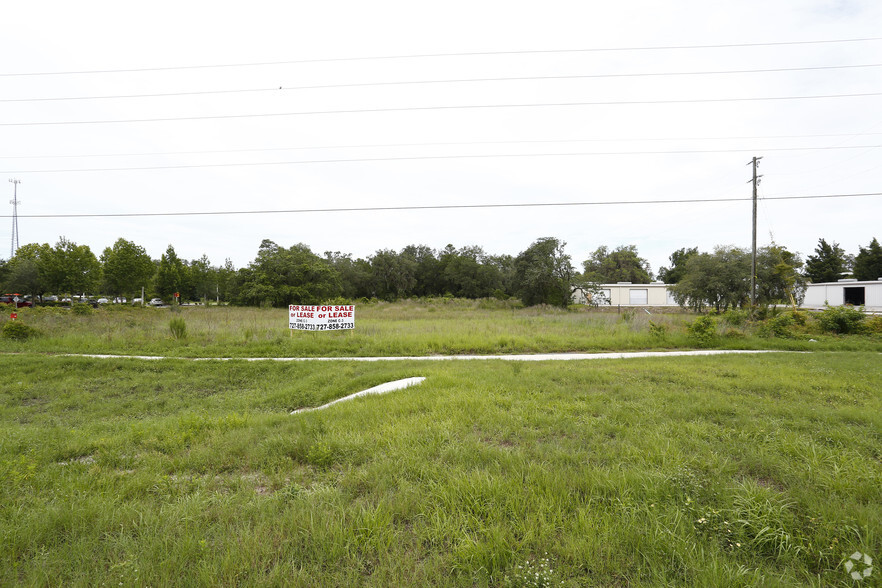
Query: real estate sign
(321, 318)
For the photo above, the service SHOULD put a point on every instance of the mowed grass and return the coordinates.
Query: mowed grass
(406, 328)
(759, 470)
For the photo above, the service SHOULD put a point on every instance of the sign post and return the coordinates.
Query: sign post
(336, 317)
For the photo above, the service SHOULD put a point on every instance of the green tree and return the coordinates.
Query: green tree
(71, 268)
(126, 268)
(673, 274)
(828, 264)
(623, 264)
(170, 275)
(393, 275)
(428, 270)
(280, 276)
(227, 287)
(504, 267)
(467, 274)
(355, 274)
(868, 262)
(544, 273)
(720, 279)
(778, 279)
(25, 273)
(203, 282)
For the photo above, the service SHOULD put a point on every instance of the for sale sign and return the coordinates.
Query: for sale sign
(321, 318)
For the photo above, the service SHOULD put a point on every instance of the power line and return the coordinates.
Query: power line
(443, 144)
(438, 55)
(436, 108)
(429, 158)
(440, 207)
(447, 81)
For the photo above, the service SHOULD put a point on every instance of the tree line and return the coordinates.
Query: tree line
(541, 274)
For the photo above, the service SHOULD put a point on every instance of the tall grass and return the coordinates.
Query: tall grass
(435, 326)
(697, 471)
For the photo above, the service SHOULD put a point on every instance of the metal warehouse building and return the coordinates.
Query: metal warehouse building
(867, 294)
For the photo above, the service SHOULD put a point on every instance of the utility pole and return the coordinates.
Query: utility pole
(756, 181)
(14, 202)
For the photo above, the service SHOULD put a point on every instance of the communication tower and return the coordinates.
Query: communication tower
(14, 202)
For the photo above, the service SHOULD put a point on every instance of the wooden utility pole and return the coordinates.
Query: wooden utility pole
(756, 181)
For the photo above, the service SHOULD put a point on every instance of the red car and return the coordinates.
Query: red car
(10, 299)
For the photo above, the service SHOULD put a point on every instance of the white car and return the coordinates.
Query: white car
(156, 302)
(103, 301)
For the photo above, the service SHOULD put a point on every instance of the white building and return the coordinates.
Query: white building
(628, 294)
(867, 294)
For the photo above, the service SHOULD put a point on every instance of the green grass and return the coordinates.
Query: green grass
(436, 326)
(758, 470)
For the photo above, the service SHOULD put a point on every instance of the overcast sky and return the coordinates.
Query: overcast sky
(638, 132)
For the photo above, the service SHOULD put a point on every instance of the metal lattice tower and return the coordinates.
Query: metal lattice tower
(14, 202)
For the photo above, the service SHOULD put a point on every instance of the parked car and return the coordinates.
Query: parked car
(119, 300)
(11, 299)
(156, 302)
(50, 298)
(103, 301)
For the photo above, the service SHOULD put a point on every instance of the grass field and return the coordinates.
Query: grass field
(753, 470)
(749, 470)
(436, 326)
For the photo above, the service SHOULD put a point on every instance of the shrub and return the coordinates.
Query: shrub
(657, 331)
(81, 308)
(842, 320)
(18, 331)
(736, 317)
(874, 324)
(702, 331)
(766, 312)
(778, 326)
(178, 328)
(734, 334)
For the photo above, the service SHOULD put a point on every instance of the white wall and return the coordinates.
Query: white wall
(833, 294)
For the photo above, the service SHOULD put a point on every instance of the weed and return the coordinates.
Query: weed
(777, 326)
(703, 331)
(765, 520)
(532, 574)
(178, 327)
(18, 331)
(842, 320)
(736, 317)
(658, 331)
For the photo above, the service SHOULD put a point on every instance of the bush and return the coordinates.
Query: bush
(81, 308)
(874, 324)
(178, 328)
(736, 317)
(778, 326)
(18, 331)
(702, 331)
(842, 320)
(658, 331)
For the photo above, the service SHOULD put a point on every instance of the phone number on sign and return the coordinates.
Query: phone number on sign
(329, 327)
